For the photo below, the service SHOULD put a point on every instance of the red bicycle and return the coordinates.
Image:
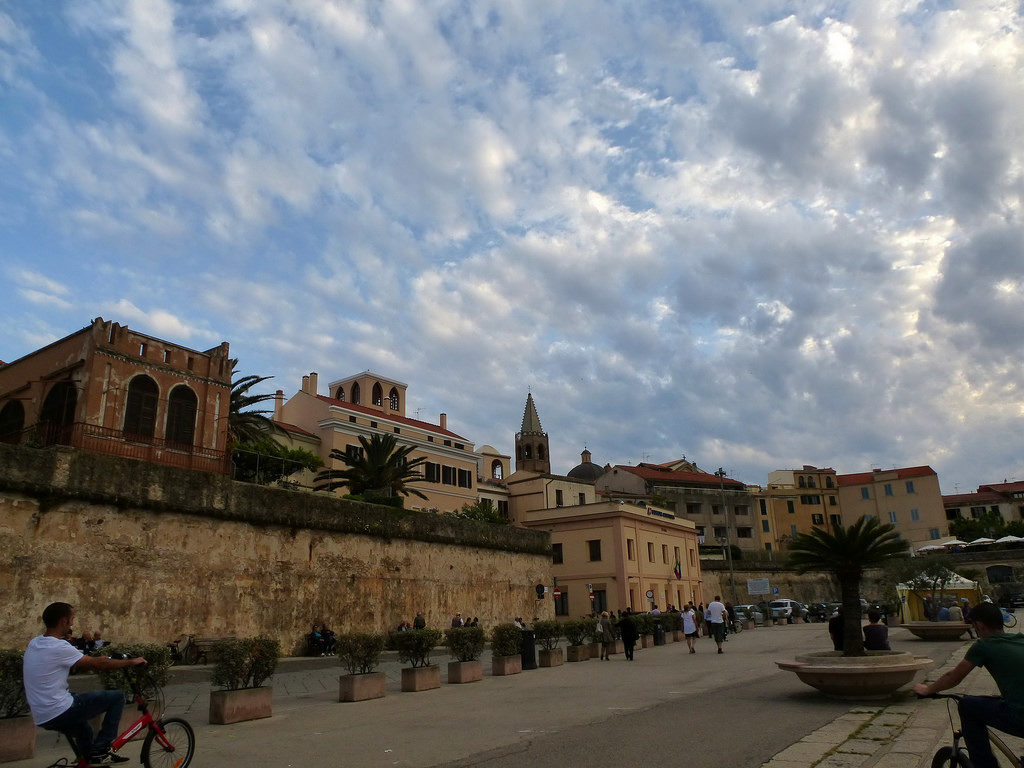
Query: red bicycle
(169, 742)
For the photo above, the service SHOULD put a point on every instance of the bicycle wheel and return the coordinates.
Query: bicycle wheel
(176, 752)
(1009, 620)
(945, 758)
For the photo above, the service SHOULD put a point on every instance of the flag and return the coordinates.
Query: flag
(678, 570)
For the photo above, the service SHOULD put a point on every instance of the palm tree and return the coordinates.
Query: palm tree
(381, 464)
(846, 552)
(248, 426)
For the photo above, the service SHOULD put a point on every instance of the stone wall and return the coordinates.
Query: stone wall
(147, 552)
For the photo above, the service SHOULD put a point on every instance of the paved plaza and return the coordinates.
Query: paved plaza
(667, 706)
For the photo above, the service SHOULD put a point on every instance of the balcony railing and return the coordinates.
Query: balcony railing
(114, 442)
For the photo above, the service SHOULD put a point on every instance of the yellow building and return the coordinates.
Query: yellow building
(907, 497)
(367, 404)
(795, 501)
(619, 551)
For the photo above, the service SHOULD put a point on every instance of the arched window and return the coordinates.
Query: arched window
(527, 453)
(828, 482)
(355, 393)
(341, 394)
(58, 413)
(496, 470)
(378, 394)
(801, 482)
(181, 415)
(393, 399)
(540, 452)
(811, 483)
(140, 408)
(12, 421)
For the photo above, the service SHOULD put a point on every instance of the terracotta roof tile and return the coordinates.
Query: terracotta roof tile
(863, 478)
(294, 428)
(654, 472)
(426, 426)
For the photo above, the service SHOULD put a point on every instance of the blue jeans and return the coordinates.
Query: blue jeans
(74, 722)
(977, 712)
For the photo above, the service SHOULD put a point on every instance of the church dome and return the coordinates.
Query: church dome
(586, 469)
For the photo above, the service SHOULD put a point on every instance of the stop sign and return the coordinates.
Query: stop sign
(557, 593)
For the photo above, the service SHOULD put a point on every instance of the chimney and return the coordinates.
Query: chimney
(444, 421)
(305, 383)
(278, 404)
(312, 383)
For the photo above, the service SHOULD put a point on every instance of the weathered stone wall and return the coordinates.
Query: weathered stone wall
(147, 552)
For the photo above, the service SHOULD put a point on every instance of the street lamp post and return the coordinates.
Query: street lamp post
(720, 474)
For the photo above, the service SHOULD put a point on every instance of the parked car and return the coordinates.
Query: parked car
(749, 613)
(821, 611)
(784, 608)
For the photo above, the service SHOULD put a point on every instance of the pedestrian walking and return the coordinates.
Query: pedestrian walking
(607, 636)
(690, 627)
(627, 628)
(716, 621)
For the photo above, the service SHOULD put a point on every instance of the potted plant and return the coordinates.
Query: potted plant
(506, 650)
(17, 731)
(576, 634)
(645, 628)
(845, 552)
(239, 673)
(156, 676)
(673, 625)
(465, 644)
(548, 633)
(414, 648)
(359, 653)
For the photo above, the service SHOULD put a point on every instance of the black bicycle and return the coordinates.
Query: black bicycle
(955, 755)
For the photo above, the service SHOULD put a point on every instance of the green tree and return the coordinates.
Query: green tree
(484, 511)
(382, 466)
(266, 461)
(990, 525)
(246, 424)
(845, 552)
(923, 576)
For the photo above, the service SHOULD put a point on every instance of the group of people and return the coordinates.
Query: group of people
(876, 634)
(89, 642)
(320, 641)
(458, 621)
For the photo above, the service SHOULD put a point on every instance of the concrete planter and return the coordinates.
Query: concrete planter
(594, 649)
(415, 679)
(17, 738)
(228, 707)
(506, 665)
(670, 636)
(677, 636)
(937, 630)
(552, 658)
(578, 653)
(647, 641)
(370, 685)
(749, 624)
(465, 671)
(619, 647)
(875, 676)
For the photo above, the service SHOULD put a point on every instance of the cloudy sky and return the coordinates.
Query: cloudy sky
(754, 232)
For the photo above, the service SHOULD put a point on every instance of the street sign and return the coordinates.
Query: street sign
(775, 590)
(591, 597)
(557, 593)
(758, 587)
(650, 594)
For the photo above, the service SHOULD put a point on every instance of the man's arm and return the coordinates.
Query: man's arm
(103, 662)
(947, 680)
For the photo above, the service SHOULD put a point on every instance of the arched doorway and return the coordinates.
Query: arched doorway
(58, 413)
(12, 421)
(140, 407)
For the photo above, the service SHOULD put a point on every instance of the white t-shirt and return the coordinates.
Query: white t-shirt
(716, 612)
(689, 622)
(48, 660)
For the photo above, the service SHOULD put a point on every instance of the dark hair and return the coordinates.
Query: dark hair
(874, 615)
(54, 612)
(987, 614)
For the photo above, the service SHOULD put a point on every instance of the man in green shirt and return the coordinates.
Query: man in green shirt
(1003, 656)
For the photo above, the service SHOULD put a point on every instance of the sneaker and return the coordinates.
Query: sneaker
(107, 758)
(719, 650)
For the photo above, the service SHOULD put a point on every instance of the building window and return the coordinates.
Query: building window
(933, 533)
(650, 552)
(801, 482)
(340, 395)
(558, 497)
(562, 604)
(630, 549)
(977, 512)
(465, 478)
(373, 425)
(600, 602)
(744, 532)
(765, 526)
(12, 421)
(594, 549)
(556, 554)
(692, 508)
(811, 483)
(888, 489)
(664, 554)
(828, 482)
(719, 531)
(817, 519)
(496, 470)
(377, 394)
(398, 431)
(716, 509)
(764, 506)
(140, 409)
(831, 501)
(448, 443)
(355, 393)
(582, 498)
(181, 415)
(167, 355)
(700, 533)
(393, 399)
(741, 509)
(892, 516)
(910, 486)
(503, 508)
(836, 520)
(865, 493)
(430, 438)
(693, 558)
(790, 507)
(354, 452)
(792, 530)
(432, 472)
(142, 350)
(813, 500)
(447, 475)
(540, 452)
(676, 553)
(915, 515)
(953, 513)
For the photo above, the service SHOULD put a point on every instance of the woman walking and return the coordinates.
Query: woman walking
(690, 627)
(607, 636)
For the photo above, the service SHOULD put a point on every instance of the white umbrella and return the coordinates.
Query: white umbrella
(982, 540)
(954, 543)
(930, 547)
(1009, 540)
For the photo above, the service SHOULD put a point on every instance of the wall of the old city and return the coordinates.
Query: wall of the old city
(146, 552)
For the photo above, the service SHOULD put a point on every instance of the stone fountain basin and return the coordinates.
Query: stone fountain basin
(877, 675)
(936, 630)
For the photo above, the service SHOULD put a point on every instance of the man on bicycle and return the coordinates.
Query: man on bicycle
(48, 660)
(1003, 655)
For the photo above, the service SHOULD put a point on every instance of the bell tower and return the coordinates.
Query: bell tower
(532, 442)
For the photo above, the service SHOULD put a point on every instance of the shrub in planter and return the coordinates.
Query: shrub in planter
(241, 669)
(414, 647)
(17, 732)
(577, 631)
(360, 654)
(644, 623)
(547, 633)
(465, 643)
(506, 640)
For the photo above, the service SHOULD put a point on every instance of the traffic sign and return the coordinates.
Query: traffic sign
(591, 597)
(557, 593)
(650, 594)
(775, 590)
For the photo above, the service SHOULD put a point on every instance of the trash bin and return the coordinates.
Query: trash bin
(529, 650)
(659, 632)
